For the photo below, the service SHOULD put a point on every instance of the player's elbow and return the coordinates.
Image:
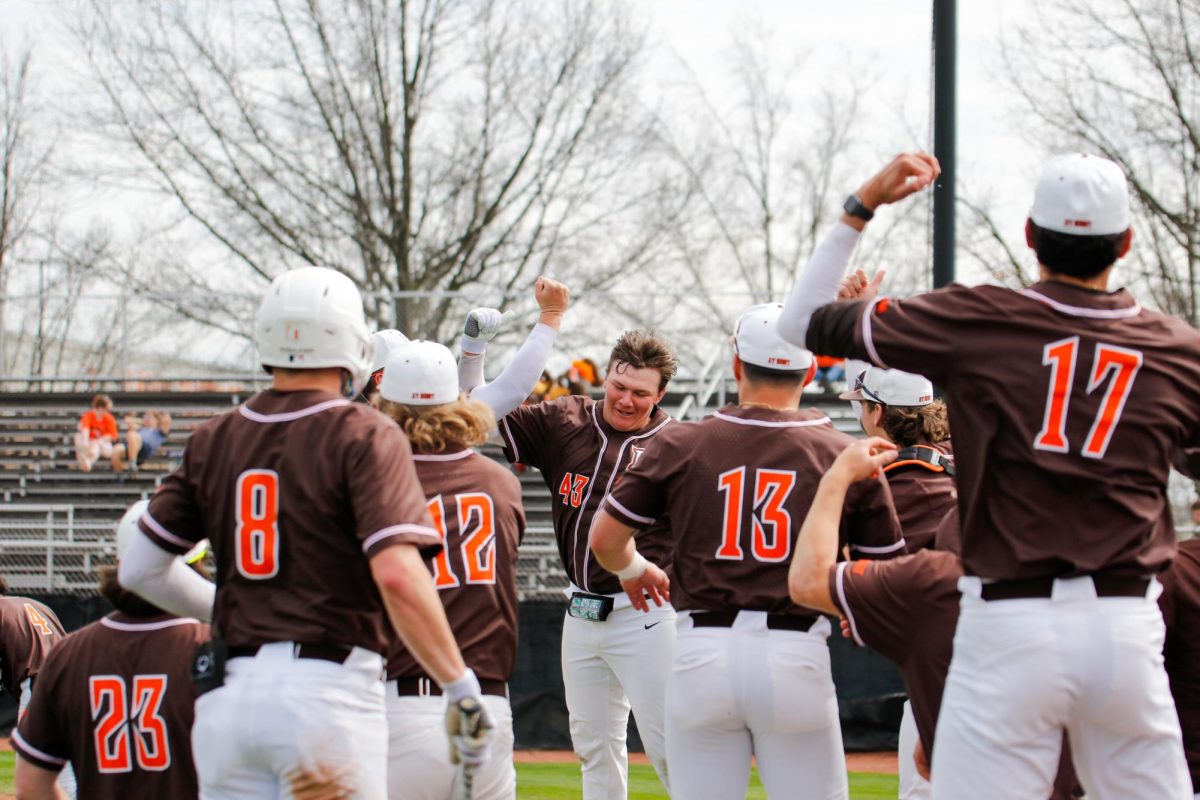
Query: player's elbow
(397, 572)
(807, 587)
(605, 539)
(31, 782)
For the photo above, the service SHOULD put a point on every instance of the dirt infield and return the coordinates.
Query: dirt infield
(883, 763)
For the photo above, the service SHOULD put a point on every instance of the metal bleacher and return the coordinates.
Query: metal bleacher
(57, 524)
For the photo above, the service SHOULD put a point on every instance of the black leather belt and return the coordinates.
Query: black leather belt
(1028, 588)
(427, 687)
(321, 652)
(775, 622)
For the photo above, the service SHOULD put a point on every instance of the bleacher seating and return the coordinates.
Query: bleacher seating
(57, 523)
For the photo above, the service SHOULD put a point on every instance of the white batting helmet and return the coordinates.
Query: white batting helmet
(386, 342)
(127, 528)
(312, 318)
(420, 374)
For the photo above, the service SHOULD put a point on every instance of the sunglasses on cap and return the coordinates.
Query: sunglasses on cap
(859, 386)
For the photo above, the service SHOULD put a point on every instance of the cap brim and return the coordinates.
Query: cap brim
(853, 395)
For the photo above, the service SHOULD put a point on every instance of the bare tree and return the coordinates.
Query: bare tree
(1122, 78)
(422, 147)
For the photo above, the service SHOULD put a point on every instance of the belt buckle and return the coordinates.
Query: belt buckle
(590, 607)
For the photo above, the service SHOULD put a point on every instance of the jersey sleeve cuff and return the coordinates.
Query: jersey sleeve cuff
(624, 515)
(892, 550)
(838, 579)
(35, 756)
(172, 543)
(425, 539)
(510, 444)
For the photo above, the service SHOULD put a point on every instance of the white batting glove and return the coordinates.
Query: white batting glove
(481, 325)
(467, 722)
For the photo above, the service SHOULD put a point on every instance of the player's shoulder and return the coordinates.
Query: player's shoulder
(495, 476)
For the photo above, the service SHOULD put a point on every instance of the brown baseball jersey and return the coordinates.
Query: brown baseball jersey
(284, 486)
(922, 495)
(1180, 603)
(476, 507)
(28, 629)
(906, 609)
(115, 700)
(1068, 405)
(737, 486)
(581, 458)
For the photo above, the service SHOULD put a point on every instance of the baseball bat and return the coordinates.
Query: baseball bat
(470, 713)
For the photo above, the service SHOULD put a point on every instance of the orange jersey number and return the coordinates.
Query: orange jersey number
(123, 735)
(38, 621)
(772, 536)
(1116, 366)
(477, 521)
(571, 489)
(258, 524)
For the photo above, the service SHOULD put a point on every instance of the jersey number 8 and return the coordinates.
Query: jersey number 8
(258, 524)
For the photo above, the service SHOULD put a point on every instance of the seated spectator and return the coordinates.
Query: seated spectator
(141, 441)
(97, 433)
(830, 372)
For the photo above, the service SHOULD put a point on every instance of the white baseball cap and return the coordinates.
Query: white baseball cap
(420, 373)
(891, 387)
(1082, 195)
(127, 528)
(385, 342)
(756, 341)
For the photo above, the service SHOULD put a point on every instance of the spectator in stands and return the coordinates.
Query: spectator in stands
(142, 440)
(97, 433)
(830, 372)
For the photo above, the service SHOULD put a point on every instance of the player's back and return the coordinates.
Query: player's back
(476, 507)
(286, 485)
(1180, 602)
(28, 630)
(738, 485)
(115, 699)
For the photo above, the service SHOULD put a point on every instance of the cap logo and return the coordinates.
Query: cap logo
(1077, 223)
(422, 395)
(783, 362)
(925, 398)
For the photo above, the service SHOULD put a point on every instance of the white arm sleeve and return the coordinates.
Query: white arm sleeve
(165, 580)
(818, 282)
(470, 367)
(514, 384)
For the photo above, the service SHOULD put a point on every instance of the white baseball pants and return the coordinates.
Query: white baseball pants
(1023, 670)
(419, 765)
(749, 691)
(607, 668)
(912, 785)
(279, 721)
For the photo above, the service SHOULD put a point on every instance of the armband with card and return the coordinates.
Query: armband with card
(592, 607)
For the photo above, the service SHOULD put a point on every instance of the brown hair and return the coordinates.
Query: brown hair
(431, 428)
(909, 425)
(643, 349)
(101, 401)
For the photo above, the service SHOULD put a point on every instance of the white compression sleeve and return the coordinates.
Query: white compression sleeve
(165, 580)
(818, 282)
(470, 367)
(513, 385)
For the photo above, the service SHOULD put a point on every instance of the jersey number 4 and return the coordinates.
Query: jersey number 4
(257, 533)
(771, 490)
(128, 725)
(477, 523)
(1117, 365)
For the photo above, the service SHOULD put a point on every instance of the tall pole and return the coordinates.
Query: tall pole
(945, 56)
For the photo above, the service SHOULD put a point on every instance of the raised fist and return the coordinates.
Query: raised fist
(552, 296)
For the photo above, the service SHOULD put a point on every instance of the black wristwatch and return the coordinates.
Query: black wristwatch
(855, 208)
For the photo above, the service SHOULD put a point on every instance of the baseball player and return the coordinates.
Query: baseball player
(28, 630)
(751, 674)
(476, 507)
(114, 701)
(318, 524)
(1069, 402)
(905, 609)
(383, 344)
(612, 657)
(1180, 604)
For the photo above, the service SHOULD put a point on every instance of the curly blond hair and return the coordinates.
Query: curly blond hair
(431, 429)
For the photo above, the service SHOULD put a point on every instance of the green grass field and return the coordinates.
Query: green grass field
(561, 782)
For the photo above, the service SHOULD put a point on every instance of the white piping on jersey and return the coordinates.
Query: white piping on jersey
(147, 626)
(153, 525)
(507, 434)
(289, 416)
(763, 423)
(613, 502)
(841, 590)
(891, 548)
(1081, 311)
(442, 456)
(583, 581)
(396, 530)
(867, 338)
(40, 754)
(587, 552)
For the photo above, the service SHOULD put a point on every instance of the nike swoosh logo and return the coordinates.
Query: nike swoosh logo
(652, 624)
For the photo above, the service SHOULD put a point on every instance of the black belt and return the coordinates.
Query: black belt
(775, 622)
(427, 687)
(1027, 588)
(321, 652)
